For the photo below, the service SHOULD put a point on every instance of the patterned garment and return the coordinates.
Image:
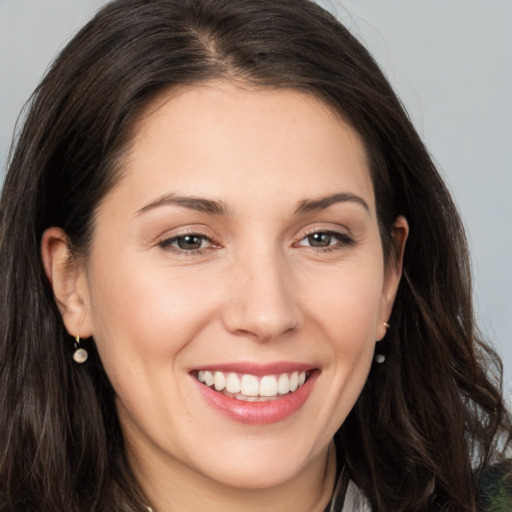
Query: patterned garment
(496, 490)
(495, 494)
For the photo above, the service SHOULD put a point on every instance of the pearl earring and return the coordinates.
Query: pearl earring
(80, 355)
(381, 358)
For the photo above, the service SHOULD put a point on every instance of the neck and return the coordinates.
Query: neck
(169, 490)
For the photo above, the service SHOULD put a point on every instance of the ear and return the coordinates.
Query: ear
(68, 280)
(393, 272)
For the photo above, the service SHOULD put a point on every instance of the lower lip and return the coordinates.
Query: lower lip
(258, 413)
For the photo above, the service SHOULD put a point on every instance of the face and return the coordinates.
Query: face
(236, 284)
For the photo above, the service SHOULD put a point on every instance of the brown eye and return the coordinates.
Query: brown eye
(189, 242)
(320, 239)
(326, 240)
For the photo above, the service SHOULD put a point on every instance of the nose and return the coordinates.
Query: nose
(263, 299)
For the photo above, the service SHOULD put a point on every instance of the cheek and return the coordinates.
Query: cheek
(142, 326)
(145, 311)
(347, 305)
(344, 315)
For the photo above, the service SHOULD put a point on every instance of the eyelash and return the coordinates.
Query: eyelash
(343, 241)
(170, 244)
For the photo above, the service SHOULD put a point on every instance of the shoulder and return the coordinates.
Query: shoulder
(495, 488)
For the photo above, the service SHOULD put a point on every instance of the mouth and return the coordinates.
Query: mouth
(256, 394)
(253, 388)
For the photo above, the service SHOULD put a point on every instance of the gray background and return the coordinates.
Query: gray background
(450, 62)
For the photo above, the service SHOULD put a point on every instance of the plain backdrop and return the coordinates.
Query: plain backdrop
(450, 62)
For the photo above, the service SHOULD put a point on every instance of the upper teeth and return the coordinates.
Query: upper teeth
(250, 385)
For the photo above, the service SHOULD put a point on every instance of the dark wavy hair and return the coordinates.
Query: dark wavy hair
(428, 420)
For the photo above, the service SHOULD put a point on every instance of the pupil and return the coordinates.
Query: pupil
(320, 239)
(189, 242)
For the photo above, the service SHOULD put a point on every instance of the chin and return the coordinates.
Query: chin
(254, 476)
(262, 464)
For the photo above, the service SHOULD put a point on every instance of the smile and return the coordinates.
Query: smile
(252, 388)
(256, 394)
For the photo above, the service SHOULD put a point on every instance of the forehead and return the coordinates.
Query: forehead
(218, 139)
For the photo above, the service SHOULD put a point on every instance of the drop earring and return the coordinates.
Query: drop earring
(80, 355)
(381, 358)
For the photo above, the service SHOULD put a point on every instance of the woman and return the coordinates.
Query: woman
(213, 212)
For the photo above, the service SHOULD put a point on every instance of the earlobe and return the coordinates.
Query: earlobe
(68, 281)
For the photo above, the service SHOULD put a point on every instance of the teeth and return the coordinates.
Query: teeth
(294, 381)
(249, 387)
(233, 383)
(208, 378)
(283, 384)
(219, 381)
(268, 386)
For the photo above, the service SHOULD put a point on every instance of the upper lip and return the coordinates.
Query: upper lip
(257, 369)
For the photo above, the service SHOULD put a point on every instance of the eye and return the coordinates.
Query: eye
(325, 240)
(191, 242)
(320, 239)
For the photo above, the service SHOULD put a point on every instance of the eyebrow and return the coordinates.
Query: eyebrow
(312, 205)
(193, 203)
(213, 207)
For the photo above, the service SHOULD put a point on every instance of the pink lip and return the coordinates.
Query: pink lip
(258, 413)
(257, 369)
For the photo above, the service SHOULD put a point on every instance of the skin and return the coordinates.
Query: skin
(255, 291)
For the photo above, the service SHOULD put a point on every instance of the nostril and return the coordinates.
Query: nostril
(264, 323)
(263, 303)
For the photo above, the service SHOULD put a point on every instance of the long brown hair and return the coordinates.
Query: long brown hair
(427, 421)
